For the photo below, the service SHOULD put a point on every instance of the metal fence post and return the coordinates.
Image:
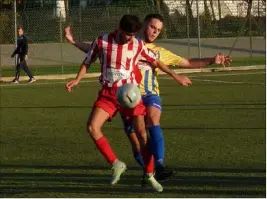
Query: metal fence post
(15, 28)
(198, 31)
(61, 42)
(0, 63)
(250, 37)
(188, 31)
(80, 23)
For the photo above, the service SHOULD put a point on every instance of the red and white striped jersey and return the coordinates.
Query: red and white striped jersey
(118, 62)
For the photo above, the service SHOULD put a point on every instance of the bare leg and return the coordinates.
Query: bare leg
(95, 122)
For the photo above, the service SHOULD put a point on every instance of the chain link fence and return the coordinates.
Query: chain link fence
(198, 29)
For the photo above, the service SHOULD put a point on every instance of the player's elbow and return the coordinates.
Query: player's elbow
(155, 64)
(185, 63)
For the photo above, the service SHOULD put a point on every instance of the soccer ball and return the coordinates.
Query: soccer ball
(128, 95)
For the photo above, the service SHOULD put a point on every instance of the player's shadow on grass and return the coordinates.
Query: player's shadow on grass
(131, 191)
(26, 183)
(83, 184)
(222, 182)
(134, 168)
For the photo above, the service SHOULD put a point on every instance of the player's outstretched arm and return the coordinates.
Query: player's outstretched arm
(182, 80)
(219, 59)
(85, 47)
(75, 82)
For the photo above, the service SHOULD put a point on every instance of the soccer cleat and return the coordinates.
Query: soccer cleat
(154, 183)
(163, 173)
(118, 168)
(15, 81)
(32, 80)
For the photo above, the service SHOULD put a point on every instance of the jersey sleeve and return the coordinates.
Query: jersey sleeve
(145, 56)
(169, 58)
(92, 54)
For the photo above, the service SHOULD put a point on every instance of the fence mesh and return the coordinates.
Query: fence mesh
(217, 19)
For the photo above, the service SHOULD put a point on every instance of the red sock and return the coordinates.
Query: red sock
(148, 160)
(103, 146)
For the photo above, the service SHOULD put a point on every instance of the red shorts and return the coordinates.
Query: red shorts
(107, 101)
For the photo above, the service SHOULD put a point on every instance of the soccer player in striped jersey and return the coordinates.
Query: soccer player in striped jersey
(119, 52)
(149, 87)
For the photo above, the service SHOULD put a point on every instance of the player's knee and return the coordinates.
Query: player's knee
(143, 138)
(152, 120)
(134, 142)
(93, 130)
(136, 147)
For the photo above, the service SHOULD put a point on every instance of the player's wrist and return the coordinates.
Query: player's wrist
(73, 42)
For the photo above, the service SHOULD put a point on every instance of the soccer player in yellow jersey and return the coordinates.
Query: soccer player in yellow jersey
(149, 88)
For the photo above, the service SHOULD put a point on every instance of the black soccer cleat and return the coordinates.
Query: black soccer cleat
(164, 173)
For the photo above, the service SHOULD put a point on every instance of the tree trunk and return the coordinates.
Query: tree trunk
(159, 4)
(188, 6)
(249, 7)
(66, 2)
(206, 8)
(212, 10)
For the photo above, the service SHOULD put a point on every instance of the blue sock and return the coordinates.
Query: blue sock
(139, 159)
(157, 144)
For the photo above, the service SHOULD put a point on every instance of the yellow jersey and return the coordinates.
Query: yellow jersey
(149, 83)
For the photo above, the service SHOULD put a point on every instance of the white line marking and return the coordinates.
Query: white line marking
(220, 81)
(42, 83)
(168, 78)
(227, 82)
(228, 74)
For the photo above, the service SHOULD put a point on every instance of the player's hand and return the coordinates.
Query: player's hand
(25, 57)
(71, 84)
(223, 60)
(183, 80)
(68, 35)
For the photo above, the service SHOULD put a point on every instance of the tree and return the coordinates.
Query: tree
(206, 9)
(249, 7)
(6, 1)
(5, 4)
(189, 9)
(163, 9)
(212, 10)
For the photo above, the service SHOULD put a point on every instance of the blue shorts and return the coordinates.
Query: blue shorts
(152, 100)
(148, 100)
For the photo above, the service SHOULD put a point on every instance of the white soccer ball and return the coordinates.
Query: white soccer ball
(128, 95)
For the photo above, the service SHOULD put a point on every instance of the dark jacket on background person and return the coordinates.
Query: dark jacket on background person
(22, 46)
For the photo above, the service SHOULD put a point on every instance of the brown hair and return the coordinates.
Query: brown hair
(19, 27)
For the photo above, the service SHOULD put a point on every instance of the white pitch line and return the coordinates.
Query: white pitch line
(42, 83)
(227, 82)
(219, 81)
(228, 74)
(87, 81)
